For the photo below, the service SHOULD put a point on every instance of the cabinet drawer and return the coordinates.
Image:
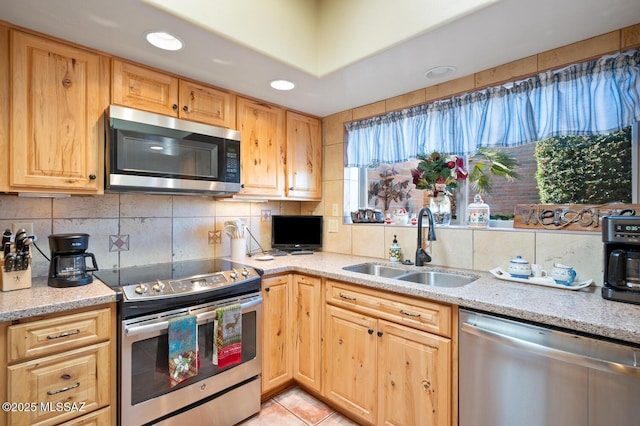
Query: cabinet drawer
(62, 386)
(97, 418)
(48, 336)
(415, 313)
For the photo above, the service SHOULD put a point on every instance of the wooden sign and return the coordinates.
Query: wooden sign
(575, 217)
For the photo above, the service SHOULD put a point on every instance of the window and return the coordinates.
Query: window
(560, 170)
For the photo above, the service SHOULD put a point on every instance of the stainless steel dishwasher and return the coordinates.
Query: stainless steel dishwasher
(515, 373)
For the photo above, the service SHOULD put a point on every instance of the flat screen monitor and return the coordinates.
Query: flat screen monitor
(291, 233)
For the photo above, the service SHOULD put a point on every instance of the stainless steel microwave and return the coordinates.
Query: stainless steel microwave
(147, 152)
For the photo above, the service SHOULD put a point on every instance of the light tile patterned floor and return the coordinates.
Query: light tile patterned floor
(295, 407)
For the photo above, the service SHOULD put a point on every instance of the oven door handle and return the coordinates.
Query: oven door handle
(200, 318)
(203, 317)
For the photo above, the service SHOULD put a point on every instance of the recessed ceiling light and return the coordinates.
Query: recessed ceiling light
(439, 72)
(282, 85)
(164, 40)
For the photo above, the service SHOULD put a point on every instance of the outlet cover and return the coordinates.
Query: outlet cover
(333, 226)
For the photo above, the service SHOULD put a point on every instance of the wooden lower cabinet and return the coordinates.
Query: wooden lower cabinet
(307, 305)
(350, 362)
(61, 368)
(277, 332)
(414, 373)
(384, 373)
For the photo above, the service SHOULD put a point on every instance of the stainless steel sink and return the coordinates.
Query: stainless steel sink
(432, 278)
(437, 279)
(377, 270)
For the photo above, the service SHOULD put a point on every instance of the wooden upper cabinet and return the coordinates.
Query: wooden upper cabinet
(154, 91)
(207, 105)
(143, 88)
(262, 148)
(58, 99)
(304, 157)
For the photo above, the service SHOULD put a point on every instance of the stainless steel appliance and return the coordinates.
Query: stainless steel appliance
(152, 295)
(516, 373)
(155, 153)
(68, 267)
(621, 238)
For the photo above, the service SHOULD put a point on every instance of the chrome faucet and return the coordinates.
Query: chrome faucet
(421, 255)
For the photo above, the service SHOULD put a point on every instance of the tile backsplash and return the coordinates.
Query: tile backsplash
(135, 229)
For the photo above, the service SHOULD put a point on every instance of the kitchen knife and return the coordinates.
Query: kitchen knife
(6, 237)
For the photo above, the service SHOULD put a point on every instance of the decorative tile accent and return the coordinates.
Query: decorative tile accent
(265, 215)
(214, 237)
(119, 242)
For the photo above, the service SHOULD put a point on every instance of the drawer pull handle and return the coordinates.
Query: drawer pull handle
(65, 334)
(77, 385)
(345, 297)
(409, 314)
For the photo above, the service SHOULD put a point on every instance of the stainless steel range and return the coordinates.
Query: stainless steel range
(150, 298)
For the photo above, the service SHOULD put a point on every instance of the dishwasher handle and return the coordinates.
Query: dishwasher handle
(550, 352)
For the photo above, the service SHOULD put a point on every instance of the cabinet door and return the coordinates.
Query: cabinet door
(277, 326)
(80, 376)
(414, 381)
(207, 105)
(304, 157)
(143, 88)
(262, 148)
(307, 303)
(350, 362)
(58, 99)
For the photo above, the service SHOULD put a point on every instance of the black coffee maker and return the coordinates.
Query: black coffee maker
(621, 238)
(68, 267)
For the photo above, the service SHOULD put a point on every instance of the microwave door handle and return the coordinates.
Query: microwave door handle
(203, 317)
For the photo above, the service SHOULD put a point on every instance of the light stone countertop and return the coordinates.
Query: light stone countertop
(582, 310)
(41, 299)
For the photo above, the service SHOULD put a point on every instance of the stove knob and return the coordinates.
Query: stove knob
(158, 286)
(142, 288)
(245, 272)
(233, 274)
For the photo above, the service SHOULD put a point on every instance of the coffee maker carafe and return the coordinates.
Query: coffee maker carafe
(621, 238)
(68, 267)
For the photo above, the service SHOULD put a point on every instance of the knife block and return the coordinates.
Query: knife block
(14, 280)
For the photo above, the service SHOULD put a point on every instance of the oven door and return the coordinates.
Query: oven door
(145, 391)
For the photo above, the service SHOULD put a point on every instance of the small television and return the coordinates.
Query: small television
(293, 233)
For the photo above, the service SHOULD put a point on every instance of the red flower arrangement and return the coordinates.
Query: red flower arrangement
(437, 172)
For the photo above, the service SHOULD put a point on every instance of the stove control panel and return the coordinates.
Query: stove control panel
(181, 286)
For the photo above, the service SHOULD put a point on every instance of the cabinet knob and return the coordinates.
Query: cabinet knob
(185, 108)
(379, 333)
(174, 107)
(66, 83)
(267, 289)
(92, 177)
(370, 331)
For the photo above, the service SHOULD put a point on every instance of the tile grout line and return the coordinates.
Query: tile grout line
(306, 422)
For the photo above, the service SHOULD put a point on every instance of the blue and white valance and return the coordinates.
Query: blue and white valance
(590, 98)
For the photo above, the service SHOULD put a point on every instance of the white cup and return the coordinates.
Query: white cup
(537, 271)
(563, 274)
(238, 248)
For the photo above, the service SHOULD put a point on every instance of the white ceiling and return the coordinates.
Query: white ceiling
(499, 33)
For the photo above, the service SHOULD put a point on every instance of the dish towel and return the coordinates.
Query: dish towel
(227, 336)
(183, 349)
